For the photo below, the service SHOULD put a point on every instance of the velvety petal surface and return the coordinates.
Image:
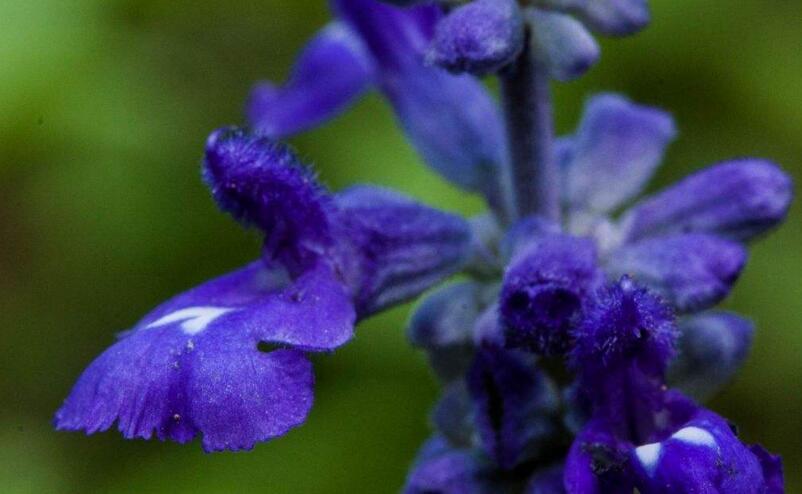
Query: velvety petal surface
(193, 364)
(543, 292)
(702, 455)
(312, 312)
(624, 324)
(442, 324)
(736, 199)
(332, 70)
(772, 466)
(616, 149)
(162, 382)
(404, 247)
(597, 462)
(479, 37)
(692, 271)
(262, 183)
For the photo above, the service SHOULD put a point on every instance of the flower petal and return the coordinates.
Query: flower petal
(333, 70)
(514, 406)
(453, 415)
(525, 233)
(702, 454)
(611, 17)
(736, 199)
(562, 43)
(193, 364)
(451, 120)
(136, 382)
(544, 290)
(712, 347)
(404, 247)
(442, 324)
(453, 124)
(446, 316)
(166, 382)
(597, 462)
(692, 271)
(312, 312)
(396, 37)
(261, 182)
(444, 470)
(238, 396)
(479, 37)
(772, 469)
(616, 149)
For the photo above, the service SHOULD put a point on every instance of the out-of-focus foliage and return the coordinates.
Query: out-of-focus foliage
(104, 108)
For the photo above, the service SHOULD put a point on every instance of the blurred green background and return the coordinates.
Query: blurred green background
(104, 108)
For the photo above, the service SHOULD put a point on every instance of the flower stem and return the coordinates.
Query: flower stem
(532, 175)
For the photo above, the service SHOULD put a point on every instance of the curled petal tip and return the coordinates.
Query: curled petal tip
(261, 182)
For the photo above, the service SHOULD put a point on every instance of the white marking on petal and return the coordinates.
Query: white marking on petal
(695, 436)
(649, 455)
(196, 319)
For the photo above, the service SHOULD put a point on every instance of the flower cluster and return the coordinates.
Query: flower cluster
(573, 350)
(228, 359)
(623, 300)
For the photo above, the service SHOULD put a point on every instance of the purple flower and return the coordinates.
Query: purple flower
(544, 289)
(580, 298)
(228, 359)
(639, 434)
(514, 406)
(686, 243)
(451, 120)
(687, 449)
(603, 289)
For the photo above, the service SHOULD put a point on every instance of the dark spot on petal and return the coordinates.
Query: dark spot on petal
(267, 347)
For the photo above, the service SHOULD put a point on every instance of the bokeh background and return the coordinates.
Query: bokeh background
(104, 108)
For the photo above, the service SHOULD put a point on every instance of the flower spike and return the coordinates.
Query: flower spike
(578, 304)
